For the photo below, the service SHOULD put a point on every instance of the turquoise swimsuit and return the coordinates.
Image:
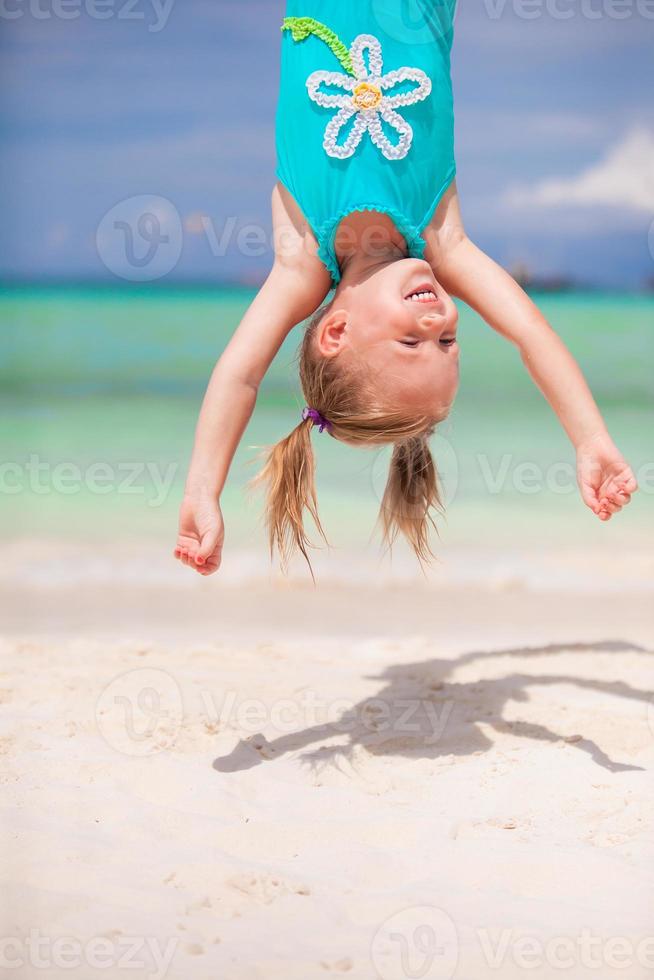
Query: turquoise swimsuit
(365, 118)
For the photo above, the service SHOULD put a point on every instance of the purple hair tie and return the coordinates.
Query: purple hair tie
(316, 418)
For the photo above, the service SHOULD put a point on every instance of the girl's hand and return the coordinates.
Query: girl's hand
(605, 478)
(201, 534)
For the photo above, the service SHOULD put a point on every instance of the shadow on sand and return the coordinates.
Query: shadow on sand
(418, 713)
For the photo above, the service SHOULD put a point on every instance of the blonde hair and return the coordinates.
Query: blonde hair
(349, 399)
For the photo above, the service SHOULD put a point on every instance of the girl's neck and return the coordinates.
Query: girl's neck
(366, 241)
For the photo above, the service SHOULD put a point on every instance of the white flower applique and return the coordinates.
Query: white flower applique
(369, 98)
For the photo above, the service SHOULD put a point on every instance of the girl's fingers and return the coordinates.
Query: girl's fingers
(630, 484)
(589, 497)
(205, 566)
(209, 544)
(607, 506)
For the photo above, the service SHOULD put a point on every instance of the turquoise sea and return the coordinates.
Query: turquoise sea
(100, 389)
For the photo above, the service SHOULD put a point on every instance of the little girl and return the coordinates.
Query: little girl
(366, 202)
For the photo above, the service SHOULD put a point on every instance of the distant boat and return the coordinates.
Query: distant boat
(542, 284)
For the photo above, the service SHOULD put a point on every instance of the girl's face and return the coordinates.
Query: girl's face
(403, 324)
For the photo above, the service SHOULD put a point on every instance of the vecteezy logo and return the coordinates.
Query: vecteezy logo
(419, 943)
(140, 238)
(140, 712)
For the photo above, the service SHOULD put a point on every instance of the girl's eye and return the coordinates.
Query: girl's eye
(444, 342)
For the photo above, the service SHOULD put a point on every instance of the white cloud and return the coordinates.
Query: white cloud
(623, 178)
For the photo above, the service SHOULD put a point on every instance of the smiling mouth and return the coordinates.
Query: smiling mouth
(423, 294)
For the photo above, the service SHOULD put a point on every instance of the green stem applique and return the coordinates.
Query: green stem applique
(301, 27)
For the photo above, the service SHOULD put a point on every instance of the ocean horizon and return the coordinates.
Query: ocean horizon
(101, 390)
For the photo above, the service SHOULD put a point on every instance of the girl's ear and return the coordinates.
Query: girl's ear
(331, 332)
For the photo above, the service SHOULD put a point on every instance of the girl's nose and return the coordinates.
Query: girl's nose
(452, 315)
(440, 321)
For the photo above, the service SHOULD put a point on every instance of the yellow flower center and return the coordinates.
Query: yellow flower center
(366, 96)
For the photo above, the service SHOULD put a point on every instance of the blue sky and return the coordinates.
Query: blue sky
(175, 99)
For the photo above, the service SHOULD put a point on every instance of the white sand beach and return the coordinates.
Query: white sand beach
(253, 778)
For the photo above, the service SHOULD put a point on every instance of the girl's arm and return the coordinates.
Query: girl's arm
(294, 289)
(605, 479)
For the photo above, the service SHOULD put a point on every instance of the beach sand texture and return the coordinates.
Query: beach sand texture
(271, 781)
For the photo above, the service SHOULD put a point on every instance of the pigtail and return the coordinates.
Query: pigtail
(289, 476)
(410, 495)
